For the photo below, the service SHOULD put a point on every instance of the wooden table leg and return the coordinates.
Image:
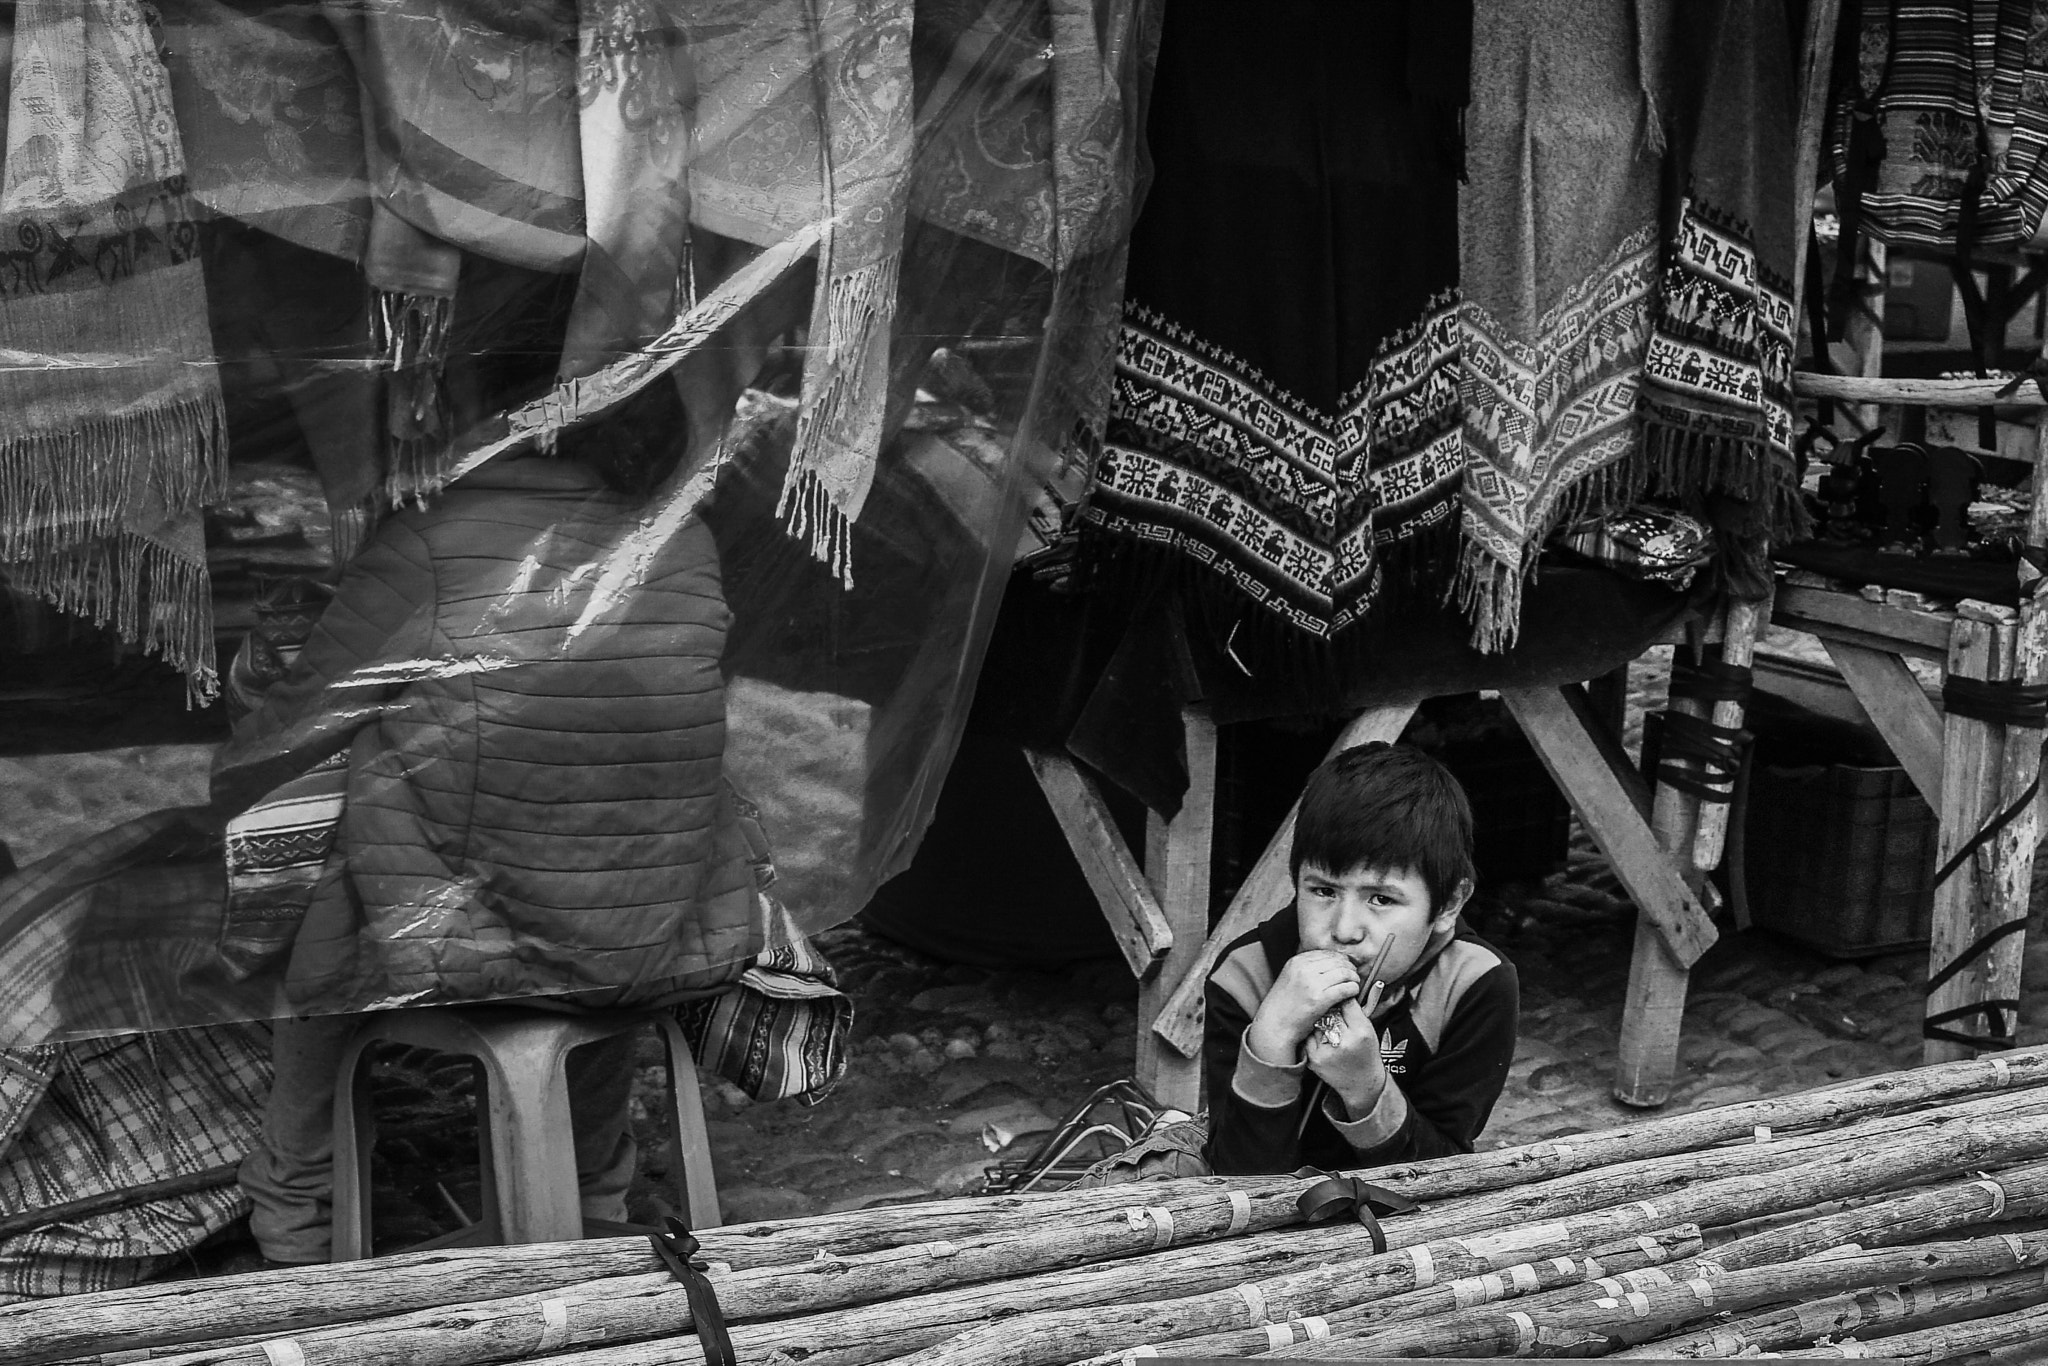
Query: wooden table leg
(1981, 761)
(1177, 854)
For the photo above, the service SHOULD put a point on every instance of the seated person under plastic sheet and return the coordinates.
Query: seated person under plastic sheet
(1311, 1064)
(524, 679)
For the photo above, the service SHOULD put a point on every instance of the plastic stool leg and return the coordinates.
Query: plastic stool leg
(533, 1151)
(354, 1136)
(691, 1142)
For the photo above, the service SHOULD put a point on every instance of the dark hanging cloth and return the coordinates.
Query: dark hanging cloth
(1286, 407)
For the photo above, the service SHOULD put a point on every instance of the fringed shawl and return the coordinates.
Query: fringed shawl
(116, 431)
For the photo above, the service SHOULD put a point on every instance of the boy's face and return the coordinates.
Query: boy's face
(1356, 913)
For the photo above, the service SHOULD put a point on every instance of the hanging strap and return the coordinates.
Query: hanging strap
(678, 1248)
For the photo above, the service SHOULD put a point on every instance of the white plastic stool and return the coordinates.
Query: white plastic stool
(527, 1149)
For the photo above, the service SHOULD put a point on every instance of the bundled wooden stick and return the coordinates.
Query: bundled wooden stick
(1571, 1323)
(1526, 1278)
(298, 1300)
(1889, 1307)
(1947, 1343)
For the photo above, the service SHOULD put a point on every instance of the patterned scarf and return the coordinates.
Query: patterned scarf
(804, 119)
(116, 427)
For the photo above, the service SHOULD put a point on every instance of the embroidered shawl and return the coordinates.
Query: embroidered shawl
(116, 430)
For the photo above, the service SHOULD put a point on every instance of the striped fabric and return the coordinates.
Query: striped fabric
(780, 1033)
(1949, 81)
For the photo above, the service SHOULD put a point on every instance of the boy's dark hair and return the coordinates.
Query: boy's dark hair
(1386, 807)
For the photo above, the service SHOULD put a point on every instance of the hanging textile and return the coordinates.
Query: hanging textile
(1953, 100)
(1558, 232)
(108, 454)
(1718, 384)
(1285, 412)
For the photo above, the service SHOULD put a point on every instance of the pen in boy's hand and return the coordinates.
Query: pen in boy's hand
(1370, 989)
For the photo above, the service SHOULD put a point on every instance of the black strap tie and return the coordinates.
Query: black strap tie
(1713, 752)
(1336, 1196)
(678, 1248)
(1710, 681)
(2008, 703)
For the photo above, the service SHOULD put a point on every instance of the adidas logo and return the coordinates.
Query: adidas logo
(1394, 1055)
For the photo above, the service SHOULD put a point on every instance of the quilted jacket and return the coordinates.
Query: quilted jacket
(525, 678)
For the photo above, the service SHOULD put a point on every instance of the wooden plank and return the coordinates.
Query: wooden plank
(1907, 629)
(1816, 66)
(1900, 709)
(1605, 810)
(1971, 901)
(1934, 393)
(1177, 854)
(1113, 874)
(1266, 889)
(1653, 1006)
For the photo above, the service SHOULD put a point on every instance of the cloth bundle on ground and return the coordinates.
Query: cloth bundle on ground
(117, 1155)
(116, 429)
(1503, 318)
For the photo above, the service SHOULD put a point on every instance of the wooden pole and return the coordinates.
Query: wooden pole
(1973, 900)
(1267, 889)
(1949, 1343)
(1526, 1278)
(1121, 891)
(1588, 1325)
(1890, 1307)
(1177, 855)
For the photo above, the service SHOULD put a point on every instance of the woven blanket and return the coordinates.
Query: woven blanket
(1285, 411)
(116, 430)
(1958, 92)
(102, 1121)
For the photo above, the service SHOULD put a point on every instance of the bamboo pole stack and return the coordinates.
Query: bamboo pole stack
(1894, 1215)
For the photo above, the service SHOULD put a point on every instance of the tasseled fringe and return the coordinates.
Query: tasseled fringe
(62, 489)
(148, 593)
(1669, 459)
(410, 332)
(844, 390)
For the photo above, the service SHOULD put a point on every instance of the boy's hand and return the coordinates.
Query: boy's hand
(1309, 987)
(1348, 1060)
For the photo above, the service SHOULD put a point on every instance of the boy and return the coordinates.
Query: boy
(1310, 1065)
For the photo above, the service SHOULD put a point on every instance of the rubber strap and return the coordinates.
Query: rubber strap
(1333, 1197)
(678, 1249)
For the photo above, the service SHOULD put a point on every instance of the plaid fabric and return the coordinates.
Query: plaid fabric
(105, 1116)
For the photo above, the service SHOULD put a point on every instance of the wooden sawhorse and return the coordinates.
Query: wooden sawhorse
(1158, 910)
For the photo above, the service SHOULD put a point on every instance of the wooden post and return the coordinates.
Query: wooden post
(1268, 887)
(1177, 856)
(1126, 899)
(1816, 65)
(1981, 894)
(1862, 345)
(1738, 646)
(1892, 697)
(1605, 807)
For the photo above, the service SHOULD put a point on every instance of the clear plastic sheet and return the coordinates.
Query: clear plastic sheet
(680, 379)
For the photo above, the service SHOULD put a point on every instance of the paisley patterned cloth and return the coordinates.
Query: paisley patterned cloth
(116, 430)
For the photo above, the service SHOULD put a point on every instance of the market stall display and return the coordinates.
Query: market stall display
(1916, 1191)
